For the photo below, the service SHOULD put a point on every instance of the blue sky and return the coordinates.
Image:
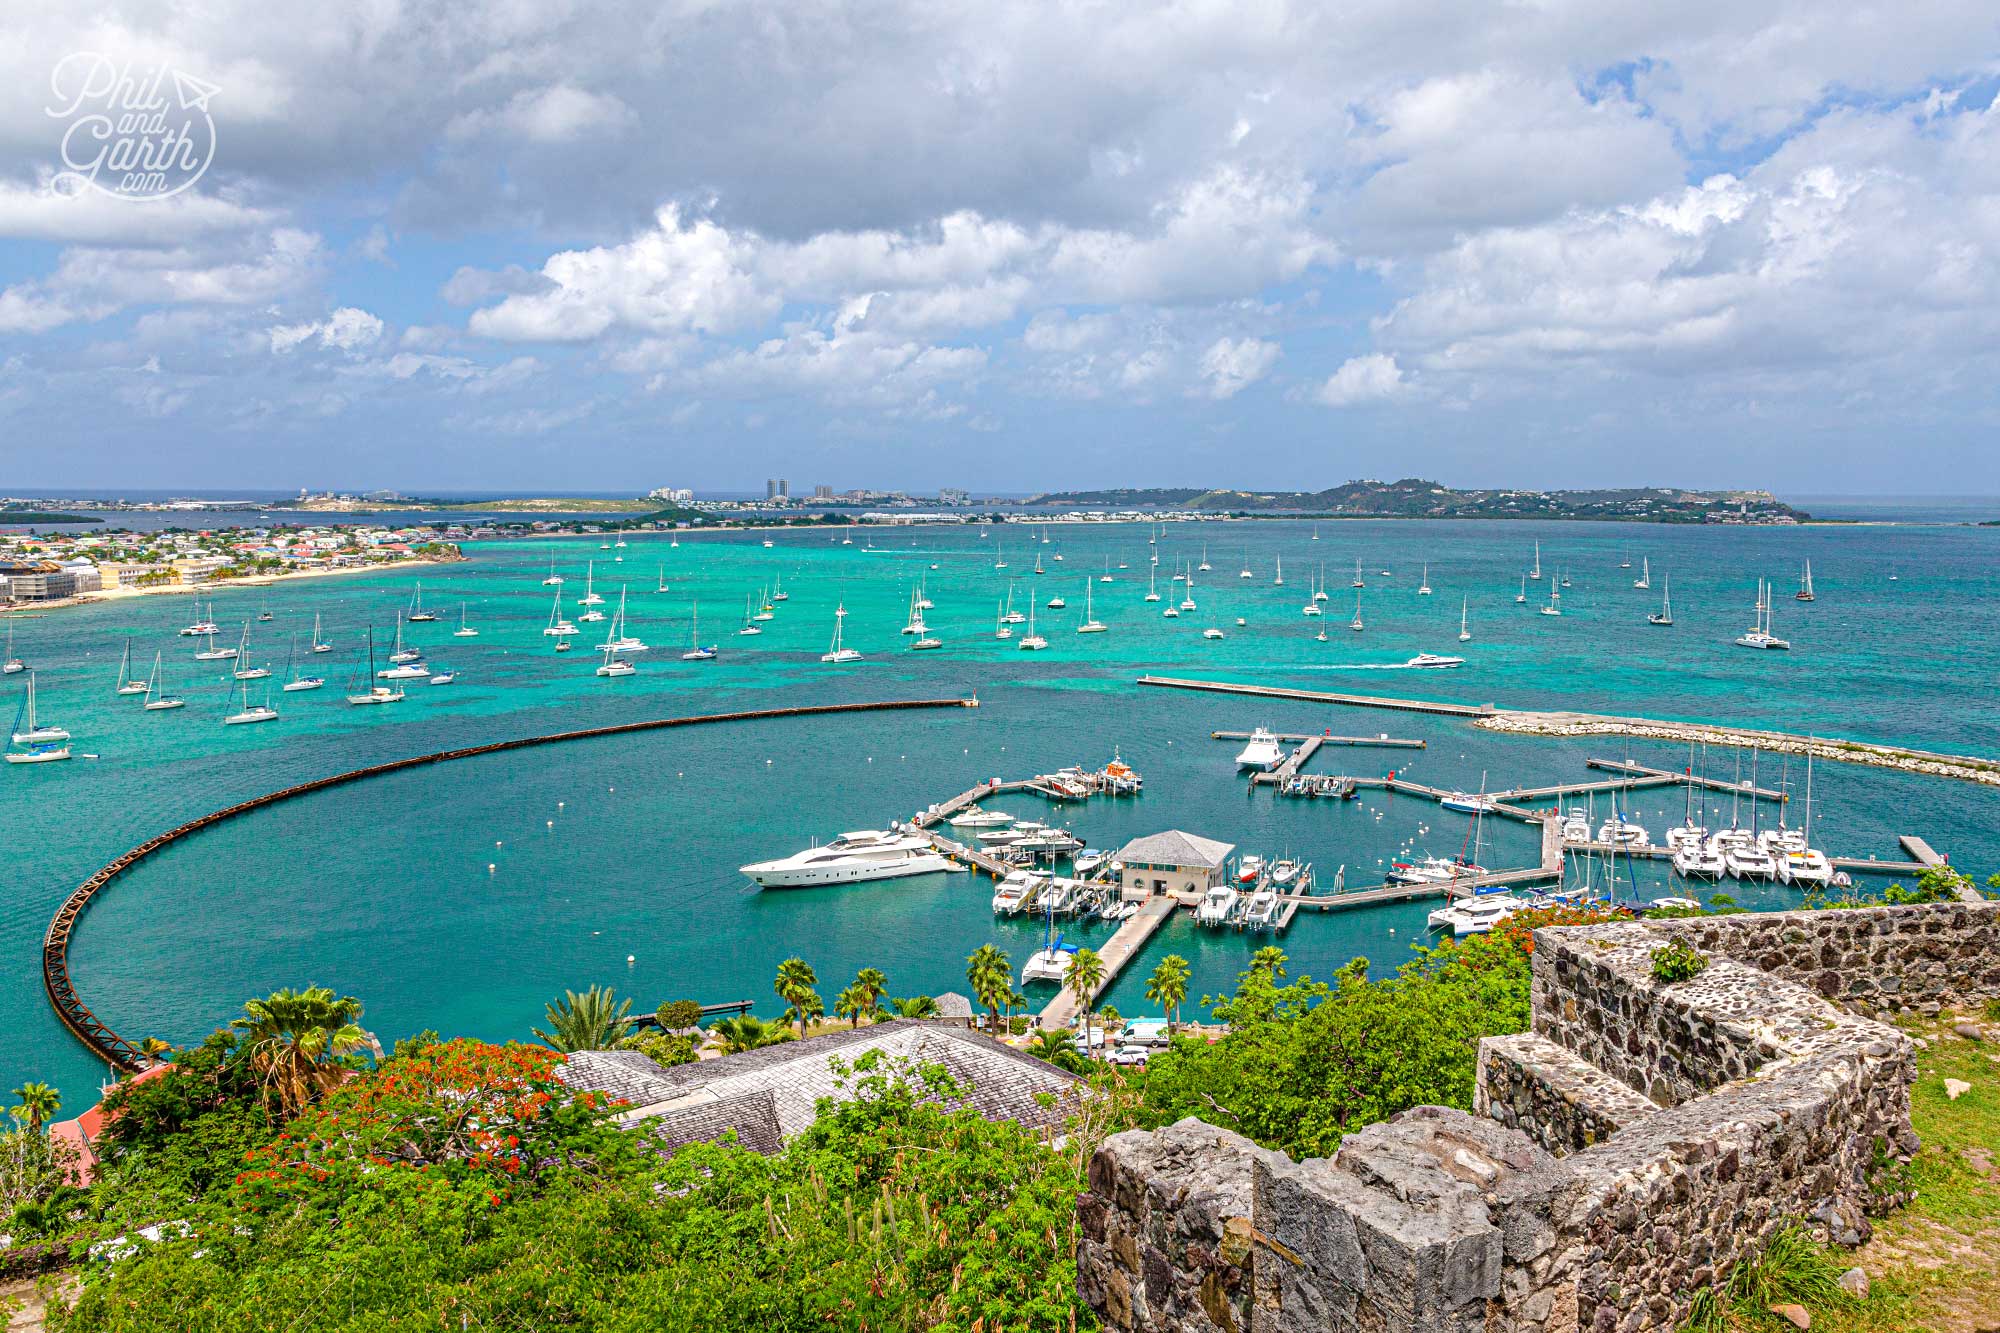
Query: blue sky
(477, 245)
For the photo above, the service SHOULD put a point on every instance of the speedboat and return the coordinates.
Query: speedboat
(1087, 861)
(1018, 892)
(1261, 911)
(850, 858)
(973, 817)
(1250, 869)
(1434, 660)
(1470, 803)
(1217, 906)
(1262, 753)
(1285, 873)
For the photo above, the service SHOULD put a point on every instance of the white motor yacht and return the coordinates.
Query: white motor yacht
(1262, 753)
(974, 817)
(1261, 911)
(1435, 661)
(850, 858)
(1217, 906)
(1018, 892)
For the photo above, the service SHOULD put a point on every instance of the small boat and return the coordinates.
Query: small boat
(243, 655)
(1091, 624)
(1285, 873)
(974, 817)
(418, 615)
(554, 580)
(250, 712)
(926, 644)
(1555, 597)
(1644, 582)
(443, 677)
(1464, 633)
(1260, 910)
(838, 654)
(1217, 906)
(1424, 588)
(1356, 624)
(1665, 615)
(1434, 661)
(298, 683)
(213, 653)
(159, 702)
(1469, 803)
(126, 684)
(319, 645)
(1805, 592)
(14, 664)
(613, 665)
(1211, 633)
(695, 652)
(1521, 597)
(464, 631)
(29, 730)
(1536, 572)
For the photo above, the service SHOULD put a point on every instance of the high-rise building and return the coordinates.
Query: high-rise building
(822, 492)
(784, 488)
(770, 488)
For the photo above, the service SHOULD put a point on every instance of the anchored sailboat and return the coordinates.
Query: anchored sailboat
(126, 684)
(365, 691)
(1645, 579)
(1464, 634)
(157, 700)
(297, 682)
(1091, 624)
(27, 729)
(695, 652)
(1665, 615)
(1805, 592)
(838, 653)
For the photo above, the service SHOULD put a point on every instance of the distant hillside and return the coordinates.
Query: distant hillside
(1414, 497)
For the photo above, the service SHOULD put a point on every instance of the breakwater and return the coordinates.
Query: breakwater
(123, 1054)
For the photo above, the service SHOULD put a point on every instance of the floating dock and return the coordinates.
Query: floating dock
(1323, 697)
(1324, 738)
(1117, 951)
(1289, 767)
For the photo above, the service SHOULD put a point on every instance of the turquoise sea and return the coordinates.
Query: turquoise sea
(462, 897)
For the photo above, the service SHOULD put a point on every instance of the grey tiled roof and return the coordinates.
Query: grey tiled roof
(754, 1117)
(1001, 1082)
(953, 1005)
(1175, 848)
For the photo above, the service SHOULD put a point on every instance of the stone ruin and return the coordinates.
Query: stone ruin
(1620, 1156)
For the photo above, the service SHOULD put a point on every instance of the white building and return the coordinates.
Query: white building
(1171, 862)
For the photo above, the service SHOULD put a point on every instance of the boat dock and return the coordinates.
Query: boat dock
(1920, 851)
(1323, 696)
(1117, 951)
(1327, 738)
(1646, 773)
(1288, 768)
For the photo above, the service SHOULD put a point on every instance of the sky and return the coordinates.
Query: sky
(535, 244)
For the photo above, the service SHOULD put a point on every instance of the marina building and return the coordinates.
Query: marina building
(770, 1095)
(37, 581)
(1171, 862)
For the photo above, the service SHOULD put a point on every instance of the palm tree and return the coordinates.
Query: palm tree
(592, 1021)
(1167, 987)
(1085, 975)
(292, 1039)
(851, 1004)
(39, 1103)
(872, 984)
(748, 1033)
(915, 1006)
(1269, 959)
(795, 986)
(989, 973)
(152, 1050)
(1058, 1047)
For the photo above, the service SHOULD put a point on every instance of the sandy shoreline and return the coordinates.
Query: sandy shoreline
(243, 581)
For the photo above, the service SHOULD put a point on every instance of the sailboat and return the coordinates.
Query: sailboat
(778, 593)
(750, 625)
(1555, 596)
(1521, 597)
(1355, 624)
(243, 655)
(127, 685)
(13, 663)
(1312, 608)
(1536, 572)
(1153, 584)
(1315, 532)
(366, 692)
(1645, 579)
(1759, 634)
(1278, 580)
(1032, 642)
(1424, 588)
(1805, 592)
(399, 653)
(1246, 574)
(161, 701)
(29, 731)
(298, 682)
(319, 645)
(590, 597)
(554, 580)
(557, 628)
(1319, 586)
(464, 631)
(1665, 615)
(1091, 624)
(1464, 634)
(662, 580)
(418, 615)
(1204, 565)
(1001, 629)
(1105, 577)
(837, 653)
(695, 652)
(1187, 601)
(621, 638)
(1358, 581)
(614, 665)
(250, 712)
(213, 653)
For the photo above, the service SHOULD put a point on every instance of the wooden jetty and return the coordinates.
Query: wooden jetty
(1920, 851)
(1289, 767)
(1327, 738)
(1117, 951)
(1323, 697)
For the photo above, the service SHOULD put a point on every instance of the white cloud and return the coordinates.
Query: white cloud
(348, 329)
(1231, 365)
(1362, 379)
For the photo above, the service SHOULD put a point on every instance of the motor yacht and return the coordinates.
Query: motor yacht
(1087, 861)
(1250, 869)
(1263, 753)
(1435, 661)
(1217, 906)
(850, 858)
(1285, 873)
(1260, 912)
(974, 817)
(1018, 892)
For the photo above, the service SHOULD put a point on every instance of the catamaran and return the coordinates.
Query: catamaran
(837, 653)
(695, 652)
(1805, 592)
(160, 702)
(1091, 624)
(418, 615)
(1032, 642)
(1645, 580)
(205, 625)
(557, 628)
(28, 730)
(364, 692)
(126, 684)
(250, 712)
(1246, 574)
(615, 665)
(554, 580)
(1187, 599)
(1759, 634)
(590, 596)
(1665, 615)
(1152, 585)
(1204, 566)
(621, 638)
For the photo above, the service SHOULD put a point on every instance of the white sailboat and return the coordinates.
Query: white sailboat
(126, 684)
(298, 682)
(1091, 624)
(558, 628)
(621, 637)
(1246, 574)
(319, 645)
(419, 616)
(750, 625)
(28, 730)
(157, 700)
(464, 631)
(1032, 642)
(14, 664)
(1356, 624)
(1521, 597)
(250, 712)
(401, 653)
(1319, 585)
(1359, 582)
(695, 652)
(1555, 597)
(243, 672)
(554, 580)
(590, 596)
(1424, 588)
(778, 593)
(1536, 572)
(213, 653)
(1759, 634)
(1665, 615)
(1464, 634)
(662, 580)
(838, 653)
(1204, 565)
(1645, 579)
(1278, 579)
(1001, 629)
(1187, 600)
(1152, 584)
(366, 691)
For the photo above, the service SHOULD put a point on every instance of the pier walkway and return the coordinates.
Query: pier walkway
(1289, 767)
(1119, 950)
(1324, 738)
(1322, 696)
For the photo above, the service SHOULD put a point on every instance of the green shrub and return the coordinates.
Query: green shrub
(680, 1014)
(1678, 961)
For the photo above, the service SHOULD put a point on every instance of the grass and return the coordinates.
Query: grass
(1933, 1266)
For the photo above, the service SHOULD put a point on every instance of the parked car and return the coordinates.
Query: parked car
(1129, 1055)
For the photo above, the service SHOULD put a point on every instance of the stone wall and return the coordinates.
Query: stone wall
(1628, 1151)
